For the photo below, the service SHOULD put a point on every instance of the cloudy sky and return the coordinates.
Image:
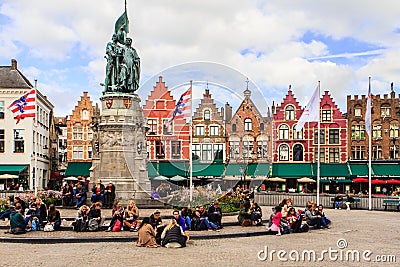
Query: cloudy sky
(272, 43)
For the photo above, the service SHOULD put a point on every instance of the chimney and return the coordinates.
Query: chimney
(228, 112)
(14, 64)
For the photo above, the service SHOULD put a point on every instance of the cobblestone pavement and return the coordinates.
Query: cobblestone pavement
(362, 230)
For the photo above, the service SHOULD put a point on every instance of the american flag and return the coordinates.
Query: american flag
(182, 108)
(24, 106)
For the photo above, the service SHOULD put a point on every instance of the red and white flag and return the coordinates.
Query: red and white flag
(182, 108)
(24, 106)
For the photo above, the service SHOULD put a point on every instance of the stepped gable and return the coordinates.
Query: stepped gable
(289, 99)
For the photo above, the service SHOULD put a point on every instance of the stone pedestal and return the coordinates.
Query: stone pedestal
(122, 155)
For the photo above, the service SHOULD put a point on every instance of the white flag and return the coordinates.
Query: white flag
(311, 112)
(368, 110)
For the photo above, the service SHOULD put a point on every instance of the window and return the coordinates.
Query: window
(207, 115)
(176, 149)
(284, 132)
(376, 131)
(385, 112)
(19, 141)
(218, 152)
(234, 149)
(326, 115)
(1, 109)
(284, 153)
(321, 155)
(196, 151)
(90, 134)
(358, 152)
(298, 152)
(248, 125)
(394, 152)
(152, 124)
(89, 152)
(233, 127)
(85, 115)
(357, 112)
(321, 137)
(334, 155)
(262, 149)
(248, 150)
(261, 126)
(289, 113)
(206, 152)
(160, 151)
(214, 130)
(333, 136)
(394, 130)
(77, 133)
(77, 152)
(297, 135)
(2, 140)
(377, 152)
(358, 131)
(199, 130)
(167, 127)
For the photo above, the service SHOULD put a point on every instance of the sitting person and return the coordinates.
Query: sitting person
(54, 217)
(146, 235)
(244, 213)
(179, 220)
(95, 219)
(312, 217)
(80, 195)
(338, 201)
(109, 195)
(293, 220)
(215, 214)
(286, 204)
(256, 214)
(186, 213)
(131, 217)
(325, 222)
(349, 201)
(173, 235)
(82, 219)
(276, 221)
(156, 222)
(41, 213)
(98, 192)
(200, 222)
(155, 195)
(17, 221)
(117, 214)
(67, 195)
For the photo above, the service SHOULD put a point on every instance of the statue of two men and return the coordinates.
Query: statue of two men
(123, 67)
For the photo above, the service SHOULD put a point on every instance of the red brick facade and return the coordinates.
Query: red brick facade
(165, 141)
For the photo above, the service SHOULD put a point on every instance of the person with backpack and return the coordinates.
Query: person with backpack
(82, 219)
(95, 219)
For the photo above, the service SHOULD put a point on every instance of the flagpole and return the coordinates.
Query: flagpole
(36, 145)
(190, 146)
(319, 143)
(369, 147)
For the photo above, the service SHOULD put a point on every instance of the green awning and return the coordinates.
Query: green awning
(234, 169)
(172, 168)
(386, 170)
(78, 169)
(260, 169)
(331, 170)
(214, 170)
(291, 170)
(358, 170)
(12, 169)
(152, 169)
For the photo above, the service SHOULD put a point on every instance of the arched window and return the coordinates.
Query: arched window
(284, 132)
(297, 135)
(284, 152)
(298, 152)
(85, 115)
(207, 115)
(233, 127)
(248, 125)
(289, 113)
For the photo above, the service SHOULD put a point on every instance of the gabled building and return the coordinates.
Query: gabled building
(248, 134)
(166, 141)
(209, 140)
(61, 125)
(26, 144)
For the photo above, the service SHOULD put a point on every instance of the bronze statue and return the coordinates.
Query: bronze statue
(113, 56)
(130, 70)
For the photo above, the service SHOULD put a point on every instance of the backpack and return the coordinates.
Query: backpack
(93, 225)
(304, 228)
(35, 225)
(80, 226)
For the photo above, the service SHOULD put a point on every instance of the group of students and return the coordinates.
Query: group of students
(31, 216)
(202, 219)
(285, 219)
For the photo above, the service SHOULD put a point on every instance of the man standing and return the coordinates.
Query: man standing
(130, 71)
(113, 54)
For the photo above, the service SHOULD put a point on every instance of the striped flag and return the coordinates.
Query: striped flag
(24, 106)
(311, 112)
(368, 111)
(182, 108)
